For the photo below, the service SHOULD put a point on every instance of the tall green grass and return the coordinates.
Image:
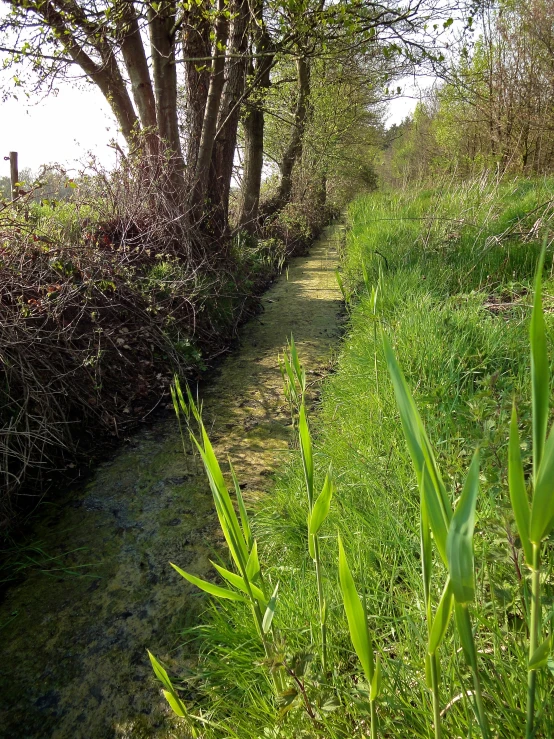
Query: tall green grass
(455, 271)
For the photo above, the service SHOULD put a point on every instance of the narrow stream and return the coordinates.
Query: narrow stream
(73, 659)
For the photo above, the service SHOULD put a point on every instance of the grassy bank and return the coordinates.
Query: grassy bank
(455, 268)
(104, 293)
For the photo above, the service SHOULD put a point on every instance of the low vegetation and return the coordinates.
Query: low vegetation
(447, 274)
(102, 299)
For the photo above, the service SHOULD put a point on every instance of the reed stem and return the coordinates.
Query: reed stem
(436, 696)
(533, 637)
(373, 713)
(322, 614)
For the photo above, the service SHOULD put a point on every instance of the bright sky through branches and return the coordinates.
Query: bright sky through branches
(63, 128)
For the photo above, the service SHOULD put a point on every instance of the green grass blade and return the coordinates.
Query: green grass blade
(209, 587)
(365, 277)
(322, 505)
(540, 375)
(355, 615)
(542, 510)
(459, 543)
(270, 611)
(518, 493)
(307, 456)
(438, 506)
(442, 618)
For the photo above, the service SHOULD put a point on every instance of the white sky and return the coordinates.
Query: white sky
(63, 128)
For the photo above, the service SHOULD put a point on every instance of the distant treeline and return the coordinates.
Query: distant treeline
(494, 108)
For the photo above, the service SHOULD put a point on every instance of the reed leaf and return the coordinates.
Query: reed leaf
(241, 584)
(321, 507)
(356, 616)
(209, 587)
(426, 548)
(542, 510)
(253, 565)
(541, 655)
(518, 493)
(307, 456)
(540, 375)
(223, 504)
(301, 377)
(459, 542)
(438, 507)
(376, 683)
(441, 619)
(169, 693)
(242, 510)
(270, 611)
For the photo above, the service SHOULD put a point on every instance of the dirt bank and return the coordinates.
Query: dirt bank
(73, 652)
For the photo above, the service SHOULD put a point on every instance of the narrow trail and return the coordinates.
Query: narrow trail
(73, 657)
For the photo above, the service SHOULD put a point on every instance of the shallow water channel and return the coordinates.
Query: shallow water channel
(73, 641)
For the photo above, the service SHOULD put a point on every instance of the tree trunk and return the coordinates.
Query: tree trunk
(136, 64)
(253, 127)
(213, 100)
(293, 151)
(196, 45)
(162, 42)
(221, 171)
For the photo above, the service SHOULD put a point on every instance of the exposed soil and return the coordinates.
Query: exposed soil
(73, 640)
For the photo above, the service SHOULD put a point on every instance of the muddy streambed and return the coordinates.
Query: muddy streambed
(73, 641)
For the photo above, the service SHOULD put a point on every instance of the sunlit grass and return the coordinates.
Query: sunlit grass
(444, 261)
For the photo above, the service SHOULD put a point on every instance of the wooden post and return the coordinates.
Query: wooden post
(14, 173)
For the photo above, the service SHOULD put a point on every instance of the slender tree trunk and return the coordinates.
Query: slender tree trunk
(213, 100)
(162, 42)
(253, 127)
(196, 45)
(293, 151)
(221, 171)
(136, 64)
